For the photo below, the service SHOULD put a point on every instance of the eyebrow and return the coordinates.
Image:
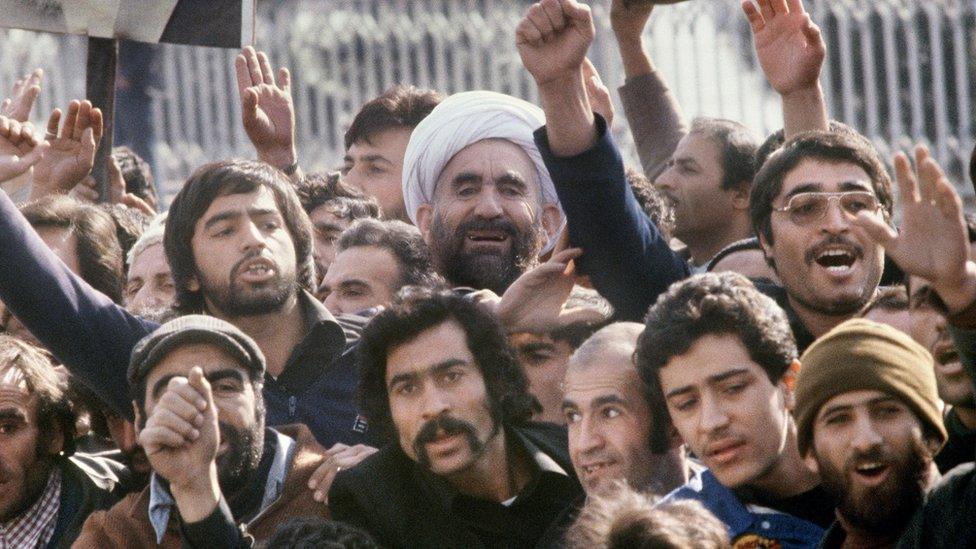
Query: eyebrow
(818, 187)
(711, 380)
(828, 410)
(211, 377)
(435, 369)
(513, 178)
(686, 160)
(535, 346)
(326, 226)
(7, 414)
(236, 214)
(354, 282)
(465, 178)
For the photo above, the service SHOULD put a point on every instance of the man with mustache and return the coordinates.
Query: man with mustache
(719, 356)
(869, 422)
(475, 185)
(467, 468)
(199, 410)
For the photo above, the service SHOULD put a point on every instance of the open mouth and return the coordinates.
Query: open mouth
(481, 237)
(836, 260)
(871, 471)
(596, 468)
(946, 354)
(256, 269)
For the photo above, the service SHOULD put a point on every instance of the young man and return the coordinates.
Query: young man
(467, 468)
(239, 247)
(206, 477)
(331, 206)
(721, 357)
(869, 422)
(608, 411)
(47, 493)
(376, 142)
(376, 258)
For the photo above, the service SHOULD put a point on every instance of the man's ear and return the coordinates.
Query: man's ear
(551, 220)
(193, 284)
(425, 219)
(137, 418)
(811, 462)
(56, 443)
(789, 382)
(740, 196)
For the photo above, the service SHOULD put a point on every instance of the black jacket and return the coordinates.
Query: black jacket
(401, 505)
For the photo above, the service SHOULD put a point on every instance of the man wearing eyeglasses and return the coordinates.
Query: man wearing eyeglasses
(803, 207)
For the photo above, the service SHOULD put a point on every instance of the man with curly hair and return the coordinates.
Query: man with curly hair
(467, 468)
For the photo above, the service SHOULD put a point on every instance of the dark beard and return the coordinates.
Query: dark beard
(236, 466)
(483, 270)
(888, 507)
(235, 301)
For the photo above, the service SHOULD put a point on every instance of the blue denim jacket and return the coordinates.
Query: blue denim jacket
(749, 525)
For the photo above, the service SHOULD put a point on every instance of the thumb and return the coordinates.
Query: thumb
(200, 383)
(875, 228)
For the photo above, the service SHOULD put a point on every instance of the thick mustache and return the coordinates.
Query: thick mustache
(445, 425)
(481, 224)
(812, 253)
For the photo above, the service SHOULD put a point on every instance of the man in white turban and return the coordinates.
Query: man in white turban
(475, 185)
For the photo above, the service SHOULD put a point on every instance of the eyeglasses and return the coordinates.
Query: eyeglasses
(805, 208)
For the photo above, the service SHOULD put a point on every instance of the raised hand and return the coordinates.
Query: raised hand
(932, 241)
(790, 48)
(19, 149)
(18, 106)
(339, 457)
(628, 19)
(180, 438)
(267, 108)
(535, 302)
(72, 149)
(597, 92)
(553, 38)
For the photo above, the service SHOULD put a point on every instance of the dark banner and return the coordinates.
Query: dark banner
(216, 23)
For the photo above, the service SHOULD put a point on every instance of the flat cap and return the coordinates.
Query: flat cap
(190, 329)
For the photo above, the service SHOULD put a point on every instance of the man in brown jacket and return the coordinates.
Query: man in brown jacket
(216, 469)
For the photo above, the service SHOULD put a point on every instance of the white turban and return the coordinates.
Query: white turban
(461, 120)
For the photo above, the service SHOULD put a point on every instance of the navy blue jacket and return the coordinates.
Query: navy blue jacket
(93, 337)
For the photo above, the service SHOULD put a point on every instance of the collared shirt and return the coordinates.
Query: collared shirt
(161, 502)
(35, 526)
(318, 385)
(518, 522)
(748, 525)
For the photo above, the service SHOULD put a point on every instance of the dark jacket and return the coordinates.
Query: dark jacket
(401, 505)
(625, 255)
(93, 337)
(88, 484)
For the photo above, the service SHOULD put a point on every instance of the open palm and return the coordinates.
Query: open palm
(789, 46)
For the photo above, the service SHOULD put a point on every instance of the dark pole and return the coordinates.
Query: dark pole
(103, 56)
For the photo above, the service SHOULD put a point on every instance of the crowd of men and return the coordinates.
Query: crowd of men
(485, 330)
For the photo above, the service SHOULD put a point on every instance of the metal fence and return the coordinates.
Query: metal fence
(901, 71)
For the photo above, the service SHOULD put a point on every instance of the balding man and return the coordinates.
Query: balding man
(608, 410)
(475, 184)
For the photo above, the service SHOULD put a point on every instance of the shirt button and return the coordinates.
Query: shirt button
(765, 525)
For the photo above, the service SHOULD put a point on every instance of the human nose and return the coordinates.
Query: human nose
(664, 182)
(253, 237)
(835, 219)
(435, 403)
(713, 415)
(589, 436)
(489, 204)
(865, 436)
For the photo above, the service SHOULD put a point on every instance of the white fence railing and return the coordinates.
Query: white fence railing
(901, 71)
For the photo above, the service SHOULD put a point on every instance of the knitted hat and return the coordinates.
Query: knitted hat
(190, 329)
(863, 355)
